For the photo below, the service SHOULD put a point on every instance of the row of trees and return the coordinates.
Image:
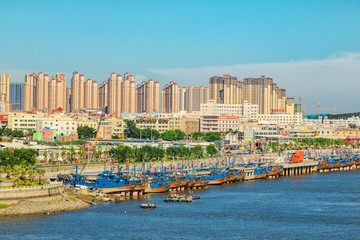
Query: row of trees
(208, 137)
(20, 162)
(147, 153)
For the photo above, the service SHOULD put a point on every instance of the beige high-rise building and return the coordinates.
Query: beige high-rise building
(77, 91)
(170, 98)
(29, 92)
(194, 97)
(128, 98)
(147, 97)
(103, 95)
(182, 98)
(290, 105)
(114, 88)
(5, 91)
(91, 94)
(42, 92)
(259, 91)
(95, 94)
(190, 98)
(57, 92)
(225, 89)
(88, 94)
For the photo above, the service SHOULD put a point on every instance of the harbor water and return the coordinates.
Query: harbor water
(316, 206)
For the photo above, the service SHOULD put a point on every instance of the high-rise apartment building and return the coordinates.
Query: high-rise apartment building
(225, 89)
(57, 92)
(170, 98)
(190, 98)
(115, 94)
(91, 94)
(147, 96)
(103, 95)
(77, 91)
(29, 91)
(5, 90)
(17, 96)
(128, 98)
(41, 92)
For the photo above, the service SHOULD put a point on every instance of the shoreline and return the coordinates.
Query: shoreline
(42, 205)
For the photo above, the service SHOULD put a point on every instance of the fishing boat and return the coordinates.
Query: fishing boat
(146, 205)
(260, 173)
(157, 185)
(273, 171)
(106, 182)
(216, 178)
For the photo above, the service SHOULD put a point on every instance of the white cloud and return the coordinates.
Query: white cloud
(334, 79)
(139, 78)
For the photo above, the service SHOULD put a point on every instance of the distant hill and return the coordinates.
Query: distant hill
(343, 115)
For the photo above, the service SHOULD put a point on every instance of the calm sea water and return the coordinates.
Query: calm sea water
(318, 206)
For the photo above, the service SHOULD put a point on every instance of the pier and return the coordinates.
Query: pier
(291, 169)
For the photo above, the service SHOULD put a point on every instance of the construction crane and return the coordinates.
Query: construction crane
(318, 106)
(98, 130)
(3, 128)
(301, 97)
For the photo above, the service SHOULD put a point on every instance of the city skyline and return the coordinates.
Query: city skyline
(309, 48)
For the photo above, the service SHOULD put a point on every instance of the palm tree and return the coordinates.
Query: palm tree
(38, 173)
(42, 176)
(72, 153)
(52, 158)
(15, 173)
(23, 174)
(45, 154)
(31, 176)
(8, 171)
(63, 153)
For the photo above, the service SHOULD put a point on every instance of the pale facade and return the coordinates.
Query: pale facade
(63, 126)
(5, 91)
(282, 119)
(147, 97)
(219, 123)
(29, 94)
(170, 98)
(225, 89)
(248, 110)
(128, 96)
(115, 94)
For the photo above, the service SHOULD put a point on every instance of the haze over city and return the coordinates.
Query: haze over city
(310, 48)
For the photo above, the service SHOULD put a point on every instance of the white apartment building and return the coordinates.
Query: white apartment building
(248, 110)
(219, 123)
(281, 119)
(63, 126)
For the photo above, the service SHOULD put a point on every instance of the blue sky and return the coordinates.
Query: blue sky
(189, 41)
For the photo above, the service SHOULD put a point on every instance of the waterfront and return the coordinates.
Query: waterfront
(316, 206)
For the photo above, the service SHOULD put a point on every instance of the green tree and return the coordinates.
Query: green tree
(86, 132)
(212, 136)
(197, 151)
(211, 150)
(197, 136)
(173, 135)
(131, 131)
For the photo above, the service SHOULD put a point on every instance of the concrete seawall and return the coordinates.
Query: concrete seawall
(31, 192)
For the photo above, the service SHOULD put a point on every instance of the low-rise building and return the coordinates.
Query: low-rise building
(282, 119)
(248, 110)
(219, 123)
(347, 133)
(63, 126)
